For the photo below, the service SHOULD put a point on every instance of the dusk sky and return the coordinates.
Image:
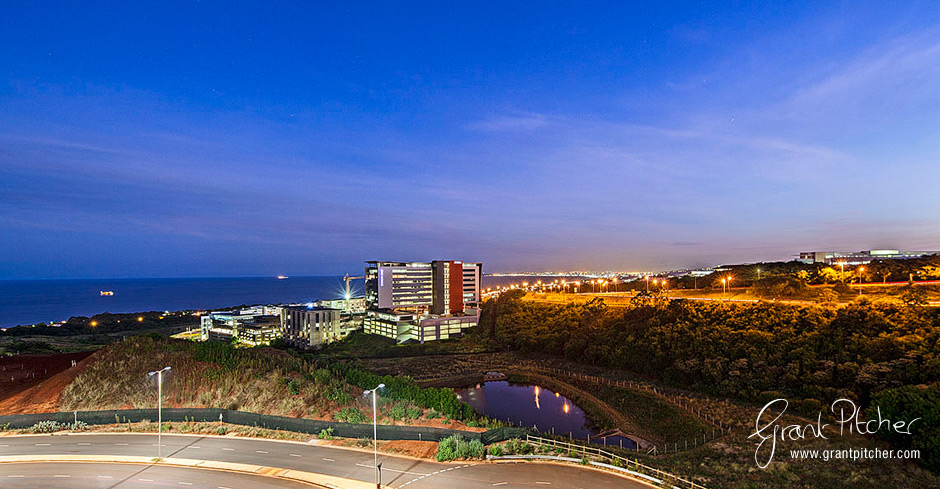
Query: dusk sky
(171, 139)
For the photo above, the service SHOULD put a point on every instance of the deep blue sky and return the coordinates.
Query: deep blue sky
(216, 139)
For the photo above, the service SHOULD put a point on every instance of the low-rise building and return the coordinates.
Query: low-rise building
(859, 257)
(249, 326)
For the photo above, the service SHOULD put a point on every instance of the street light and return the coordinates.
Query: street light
(842, 264)
(375, 436)
(860, 270)
(159, 374)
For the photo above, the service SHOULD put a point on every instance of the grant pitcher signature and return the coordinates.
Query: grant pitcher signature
(846, 415)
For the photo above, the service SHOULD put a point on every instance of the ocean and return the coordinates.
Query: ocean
(35, 301)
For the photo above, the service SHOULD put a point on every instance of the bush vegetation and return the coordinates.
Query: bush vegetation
(456, 447)
(811, 355)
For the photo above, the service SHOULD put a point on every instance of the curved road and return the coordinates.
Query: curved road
(397, 472)
(127, 476)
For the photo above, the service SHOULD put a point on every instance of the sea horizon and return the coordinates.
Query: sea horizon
(33, 301)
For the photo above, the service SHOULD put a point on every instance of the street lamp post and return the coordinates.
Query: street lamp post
(842, 264)
(860, 270)
(159, 374)
(375, 437)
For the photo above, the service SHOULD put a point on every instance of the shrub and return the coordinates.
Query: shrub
(454, 447)
(496, 451)
(516, 446)
(46, 427)
(221, 430)
(364, 442)
(326, 434)
(350, 415)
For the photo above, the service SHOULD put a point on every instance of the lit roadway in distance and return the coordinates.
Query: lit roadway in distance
(397, 472)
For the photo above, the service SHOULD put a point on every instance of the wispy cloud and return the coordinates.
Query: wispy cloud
(521, 122)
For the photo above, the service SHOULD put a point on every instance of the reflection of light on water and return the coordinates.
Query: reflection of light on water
(556, 394)
(565, 408)
(537, 390)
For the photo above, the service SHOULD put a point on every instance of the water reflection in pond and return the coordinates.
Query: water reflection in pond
(532, 406)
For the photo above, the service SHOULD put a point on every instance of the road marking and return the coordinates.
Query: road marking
(42, 444)
(145, 480)
(329, 459)
(260, 451)
(105, 477)
(16, 476)
(223, 487)
(228, 449)
(194, 446)
(399, 471)
(546, 483)
(61, 475)
(294, 455)
(186, 483)
(121, 444)
(4, 445)
(500, 483)
(84, 444)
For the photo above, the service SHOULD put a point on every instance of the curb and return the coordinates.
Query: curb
(568, 461)
(314, 479)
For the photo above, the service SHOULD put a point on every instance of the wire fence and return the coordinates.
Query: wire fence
(299, 425)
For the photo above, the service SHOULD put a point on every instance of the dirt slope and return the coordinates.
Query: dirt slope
(44, 397)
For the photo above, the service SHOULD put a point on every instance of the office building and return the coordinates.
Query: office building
(310, 326)
(859, 257)
(422, 301)
(250, 326)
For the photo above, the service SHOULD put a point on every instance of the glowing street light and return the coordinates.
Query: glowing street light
(375, 436)
(860, 271)
(159, 374)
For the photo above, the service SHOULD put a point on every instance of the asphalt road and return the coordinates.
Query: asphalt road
(130, 476)
(397, 472)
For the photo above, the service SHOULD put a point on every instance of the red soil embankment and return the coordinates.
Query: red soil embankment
(42, 393)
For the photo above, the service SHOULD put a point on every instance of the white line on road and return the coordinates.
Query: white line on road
(500, 483)
(228, 449)
(61, 475)
(185, 483)
(393, 470)
(121, 444)
(145, 480)
(329, 459)
(294, 455)
(260, 451)
(84, 444)
(42, 444)
(16, 476)
(546, 483)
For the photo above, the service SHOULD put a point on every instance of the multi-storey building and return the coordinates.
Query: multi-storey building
(422, 301)
(310, 326)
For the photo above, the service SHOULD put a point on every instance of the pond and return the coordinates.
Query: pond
(533, 406)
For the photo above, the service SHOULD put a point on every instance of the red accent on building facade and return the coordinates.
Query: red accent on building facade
(455, 284)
